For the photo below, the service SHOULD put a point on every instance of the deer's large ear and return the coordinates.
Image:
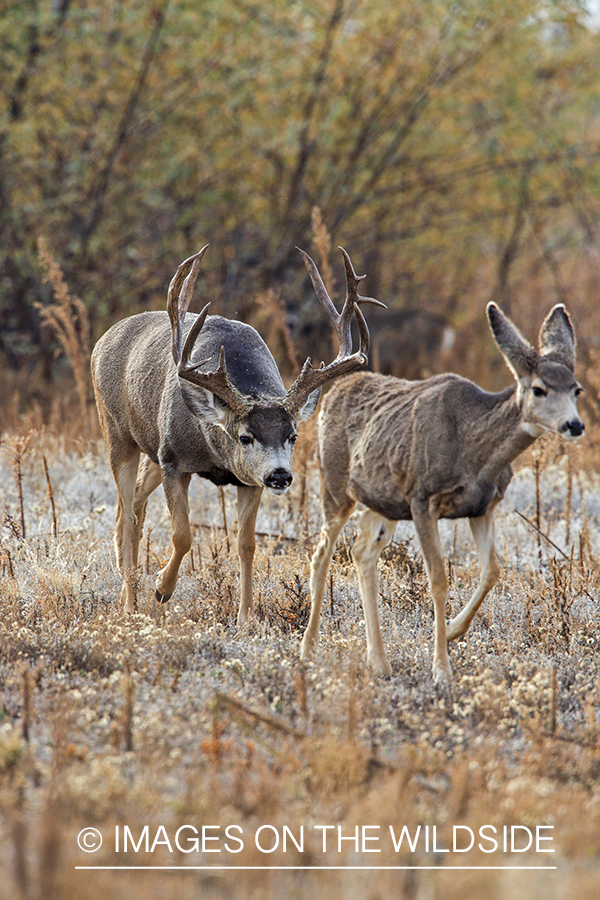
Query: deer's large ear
(202, 403)
(310, 405)
(518, 353)
(557, 338)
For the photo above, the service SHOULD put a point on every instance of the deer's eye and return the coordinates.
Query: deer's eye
(293, 438)
(246, 440)
(578, 391)
(538, 392)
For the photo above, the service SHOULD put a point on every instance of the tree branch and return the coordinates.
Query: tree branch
(98, 192)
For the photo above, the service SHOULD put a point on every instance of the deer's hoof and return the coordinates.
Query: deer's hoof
(307, 650)
(442, 679)
(381, 667)
(162, 598)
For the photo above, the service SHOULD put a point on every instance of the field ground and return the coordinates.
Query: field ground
(173, 720)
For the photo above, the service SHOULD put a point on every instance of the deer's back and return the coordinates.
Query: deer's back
(135, 377)
(143, 343)
(384, 441)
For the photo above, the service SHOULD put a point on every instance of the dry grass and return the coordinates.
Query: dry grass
(270, 320)
(68, 319)
(172, 717)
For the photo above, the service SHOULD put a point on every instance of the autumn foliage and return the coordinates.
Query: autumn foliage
(452, 148)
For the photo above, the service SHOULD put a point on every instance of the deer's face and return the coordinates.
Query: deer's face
(549, 398)
(262, 447)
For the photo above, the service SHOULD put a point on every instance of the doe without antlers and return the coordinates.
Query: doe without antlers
(202, 394)
(432, 449)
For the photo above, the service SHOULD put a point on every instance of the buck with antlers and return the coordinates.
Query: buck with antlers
(202, 394)
(433, 449)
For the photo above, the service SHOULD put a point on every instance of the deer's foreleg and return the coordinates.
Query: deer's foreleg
(248, 501)
(482, 528)
(375, 534)
(176, 493)
(319, 567)
(427, 530)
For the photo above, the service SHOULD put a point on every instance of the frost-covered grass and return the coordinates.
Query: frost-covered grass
(172, 717)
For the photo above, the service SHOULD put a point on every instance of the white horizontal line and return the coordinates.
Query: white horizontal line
(312, 868)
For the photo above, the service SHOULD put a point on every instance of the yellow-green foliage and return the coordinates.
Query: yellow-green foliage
(452, 149)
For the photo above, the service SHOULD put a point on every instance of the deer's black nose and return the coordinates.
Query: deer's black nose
(278, 479)
(575, 427)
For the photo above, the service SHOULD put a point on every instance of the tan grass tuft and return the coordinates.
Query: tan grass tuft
(18, 447)
(69, 320)
(272, 323)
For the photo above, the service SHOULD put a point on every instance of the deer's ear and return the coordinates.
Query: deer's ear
(310, 405)
(518, 353)
(557, 338)
(202, 403)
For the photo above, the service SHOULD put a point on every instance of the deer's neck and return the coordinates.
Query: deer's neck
(502, 433)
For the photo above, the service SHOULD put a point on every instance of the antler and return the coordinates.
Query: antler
(311, 379)
(178, 301)
(179, 296)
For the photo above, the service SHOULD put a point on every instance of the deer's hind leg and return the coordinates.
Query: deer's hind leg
(124, 461)
(149, 478)
(482, 529)
(334, 521)
(374, 536)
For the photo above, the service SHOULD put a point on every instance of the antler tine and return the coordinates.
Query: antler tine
(320, 289)
(178, 301)
(189, 344)
(311, 379)
(179, 296)
(363, 330)
(351, 305)
(353, 280)
(216, 382)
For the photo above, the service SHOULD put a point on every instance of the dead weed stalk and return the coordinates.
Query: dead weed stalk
(69, 320)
